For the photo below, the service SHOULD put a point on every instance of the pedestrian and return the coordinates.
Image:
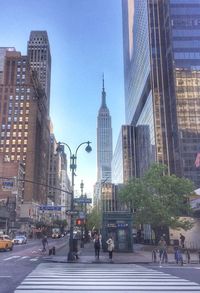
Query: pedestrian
(44, 243)
(182, 238)
(111, 247)
(162, 246)
(97, 245)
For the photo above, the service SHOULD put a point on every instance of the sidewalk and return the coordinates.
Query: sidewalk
(142, 254)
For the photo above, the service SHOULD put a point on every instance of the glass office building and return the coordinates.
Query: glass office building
(162, 82)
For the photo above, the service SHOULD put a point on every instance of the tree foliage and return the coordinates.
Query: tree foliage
(159, 199)
(94, 219)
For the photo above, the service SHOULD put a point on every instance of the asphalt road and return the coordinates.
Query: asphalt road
(104, 278)
(190, 273)
(17, 264)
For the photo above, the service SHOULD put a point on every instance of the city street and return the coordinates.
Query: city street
(27, 270)
(59, 277)
(16, 264)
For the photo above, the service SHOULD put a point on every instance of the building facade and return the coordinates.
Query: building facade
(40, 60)
(25, 128)
(162, 82)
(104, 141)
(123, 162)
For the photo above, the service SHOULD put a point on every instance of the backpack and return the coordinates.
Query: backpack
(97, 244)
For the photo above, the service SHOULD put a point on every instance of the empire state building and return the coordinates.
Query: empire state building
(104, 141)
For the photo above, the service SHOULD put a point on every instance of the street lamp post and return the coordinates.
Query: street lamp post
(73, 165)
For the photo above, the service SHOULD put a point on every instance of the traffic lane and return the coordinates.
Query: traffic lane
(12, 274)
(189, 272)
(14, 271)
(33, 248)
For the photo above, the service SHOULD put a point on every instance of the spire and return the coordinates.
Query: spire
(103, 104)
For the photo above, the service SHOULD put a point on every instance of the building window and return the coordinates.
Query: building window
(12, 158)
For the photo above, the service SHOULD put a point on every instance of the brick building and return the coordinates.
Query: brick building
(24, 126)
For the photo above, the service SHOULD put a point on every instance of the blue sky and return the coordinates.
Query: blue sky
(86, 41)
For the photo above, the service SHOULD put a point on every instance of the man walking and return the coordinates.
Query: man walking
(97, 246)
(44, 243)
(182, 238)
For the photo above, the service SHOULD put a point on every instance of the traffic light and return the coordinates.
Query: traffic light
(80, 222)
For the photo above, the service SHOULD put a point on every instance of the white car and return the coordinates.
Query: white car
(20, 239)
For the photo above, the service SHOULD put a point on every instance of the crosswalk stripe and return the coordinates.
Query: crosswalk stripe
(49, 277)
(34, 259)
(11, 257)
(19, 258)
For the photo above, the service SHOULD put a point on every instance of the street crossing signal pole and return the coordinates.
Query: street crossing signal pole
(82, 240)
(73, 165)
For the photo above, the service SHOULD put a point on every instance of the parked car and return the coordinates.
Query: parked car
(5, 242)
(20, 239)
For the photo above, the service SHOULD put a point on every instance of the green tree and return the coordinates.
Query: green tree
(94, 219)
(159, 199)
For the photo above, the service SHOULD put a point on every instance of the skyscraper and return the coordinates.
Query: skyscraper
(24, 127)
(162, 82)
(104, 141)
(40, 59)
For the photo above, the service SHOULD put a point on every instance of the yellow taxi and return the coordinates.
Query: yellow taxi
(5, 242)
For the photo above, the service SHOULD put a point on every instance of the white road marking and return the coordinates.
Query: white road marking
(127, 278)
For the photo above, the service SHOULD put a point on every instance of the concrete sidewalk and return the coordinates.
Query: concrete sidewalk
(142, 254)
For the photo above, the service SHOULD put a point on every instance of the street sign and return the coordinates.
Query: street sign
(81, 215)
(49, 208)
(7, 184)
(71, 212)
(82, 200)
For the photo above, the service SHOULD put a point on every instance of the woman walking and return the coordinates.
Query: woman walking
(111, 246)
